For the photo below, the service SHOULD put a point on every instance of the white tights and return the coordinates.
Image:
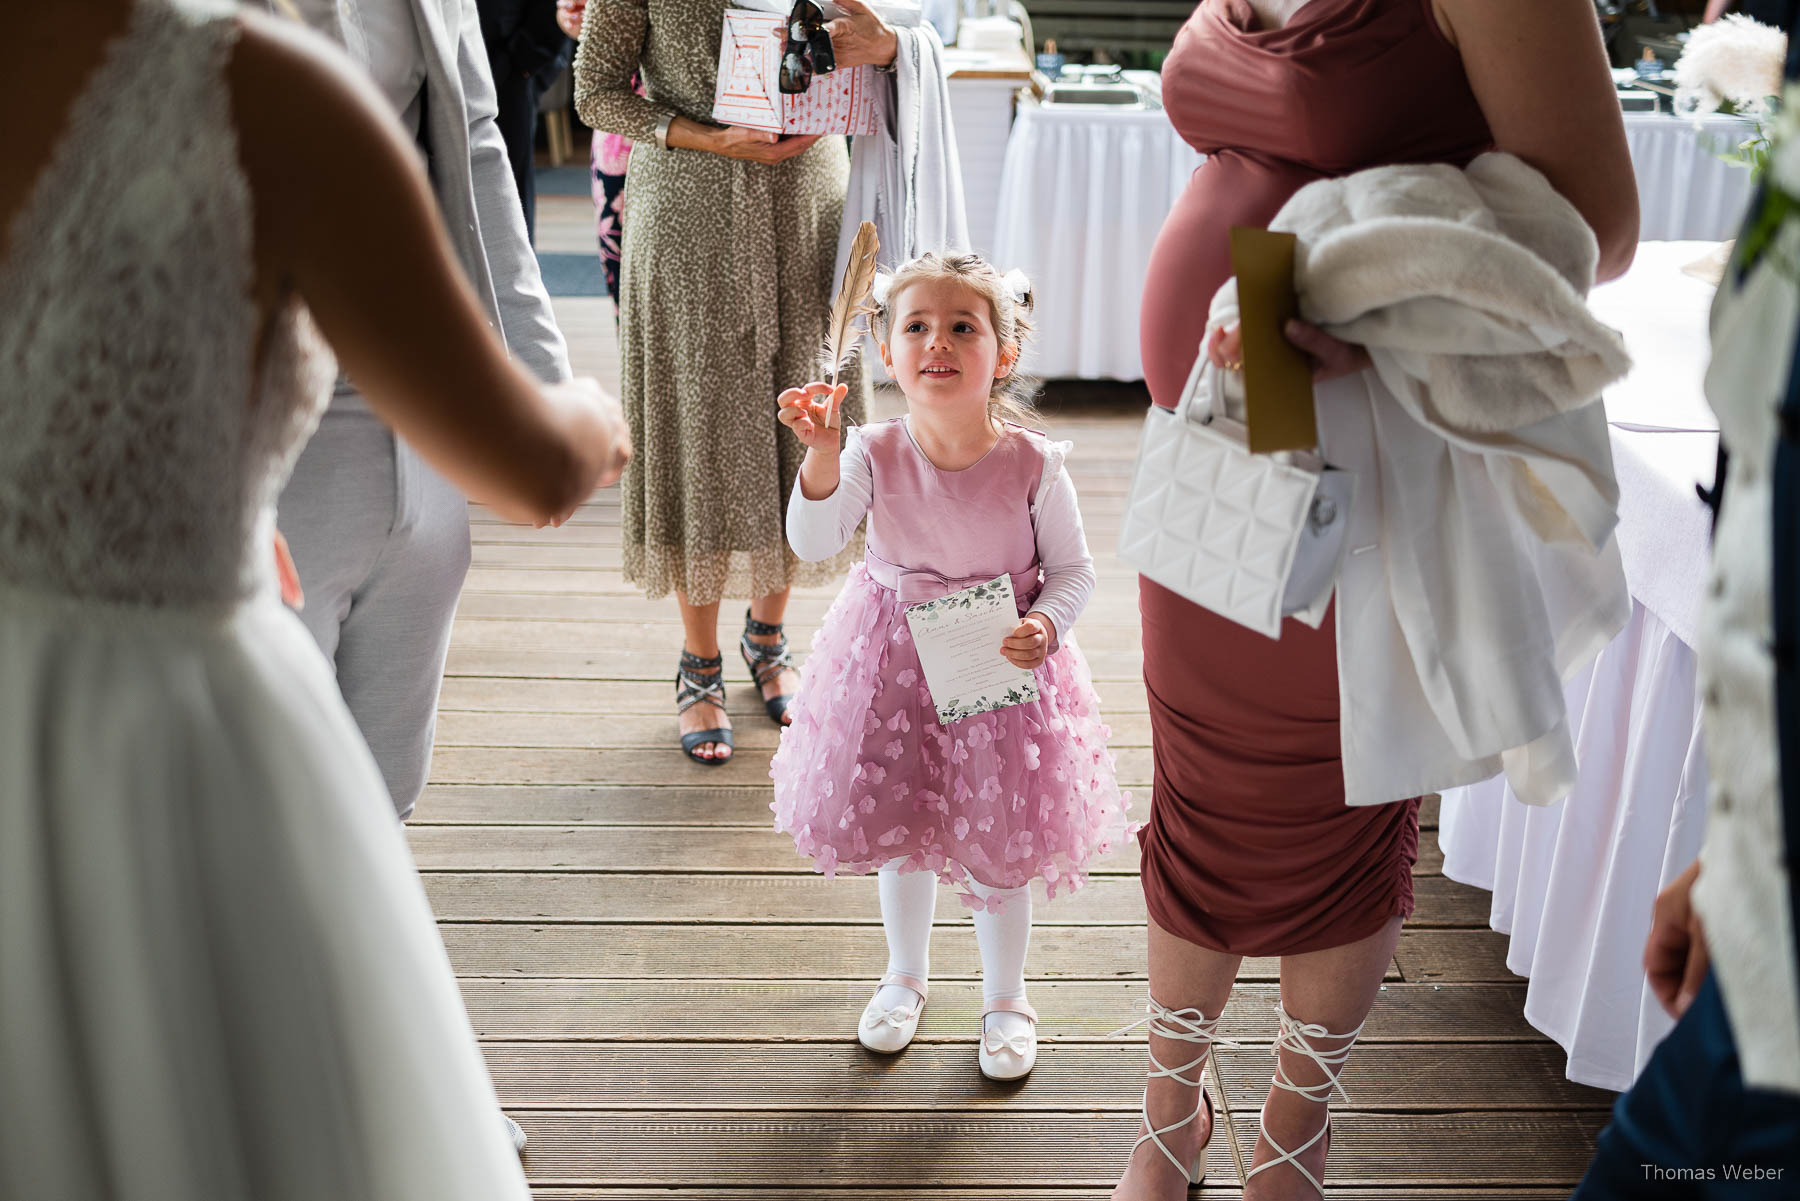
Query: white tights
(908, 902)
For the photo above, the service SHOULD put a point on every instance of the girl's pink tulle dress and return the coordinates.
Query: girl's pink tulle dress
(866, 775)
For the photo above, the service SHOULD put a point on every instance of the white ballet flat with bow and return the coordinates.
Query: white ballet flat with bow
(888, 1031)
(1003, 1056)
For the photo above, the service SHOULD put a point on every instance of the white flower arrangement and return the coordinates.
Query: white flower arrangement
(1735, 66)
(1734, 60)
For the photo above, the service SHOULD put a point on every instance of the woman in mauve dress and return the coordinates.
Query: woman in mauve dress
(1250, 849)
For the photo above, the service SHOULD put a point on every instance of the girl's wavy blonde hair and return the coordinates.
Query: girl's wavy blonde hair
(1009, 398)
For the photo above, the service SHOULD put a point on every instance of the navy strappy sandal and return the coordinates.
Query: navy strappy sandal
(701, 680)
(766, 663)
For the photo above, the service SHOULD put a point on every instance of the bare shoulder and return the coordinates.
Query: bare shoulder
(325, 157)
(308, 118)
(1477, 26)
(1540, 74)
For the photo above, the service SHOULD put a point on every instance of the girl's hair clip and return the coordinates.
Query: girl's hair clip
(1018, 287)
(883, 285)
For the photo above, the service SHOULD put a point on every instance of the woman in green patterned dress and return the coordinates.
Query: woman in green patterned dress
(726, 279)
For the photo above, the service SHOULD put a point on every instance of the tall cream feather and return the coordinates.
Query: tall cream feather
(843, 338)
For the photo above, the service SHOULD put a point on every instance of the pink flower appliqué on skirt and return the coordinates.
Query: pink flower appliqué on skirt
(866, 774)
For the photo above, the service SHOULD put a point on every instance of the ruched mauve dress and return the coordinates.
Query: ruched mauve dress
(1250, 848)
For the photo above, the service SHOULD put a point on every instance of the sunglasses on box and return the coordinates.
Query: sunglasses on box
(808, 50)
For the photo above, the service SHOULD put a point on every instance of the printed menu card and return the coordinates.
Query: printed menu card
(958, 638)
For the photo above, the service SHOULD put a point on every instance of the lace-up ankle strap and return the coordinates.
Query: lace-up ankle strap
(1178, 1025)
(1300, 1037)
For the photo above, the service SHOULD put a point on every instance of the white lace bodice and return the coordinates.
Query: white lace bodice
(139, 458)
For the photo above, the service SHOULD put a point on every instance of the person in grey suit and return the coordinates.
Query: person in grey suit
(381, 541)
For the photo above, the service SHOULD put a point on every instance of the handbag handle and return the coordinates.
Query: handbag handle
(1190, 393)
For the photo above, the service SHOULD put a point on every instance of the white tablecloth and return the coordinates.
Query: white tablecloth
(1684, 190)
(1083, 194)
(1573, 882)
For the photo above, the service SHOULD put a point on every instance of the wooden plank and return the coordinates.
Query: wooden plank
(812, 1010)
(1371, 1149)
(729, 951)
(1414, 1078)
(1404, 1078)
(597, 804)
(554, 695)
(747, 900)
(970, 1149)
(888, 1154)
(654, 848)
(741, 951)
(689, 897)
(515, 765)
(1428, 812)
(634, 849)
(1463, 956)
(573, 731)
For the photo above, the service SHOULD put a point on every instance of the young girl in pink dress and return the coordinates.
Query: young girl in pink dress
(867, 779)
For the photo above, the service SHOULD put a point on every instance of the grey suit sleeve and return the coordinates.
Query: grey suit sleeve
(526, 320)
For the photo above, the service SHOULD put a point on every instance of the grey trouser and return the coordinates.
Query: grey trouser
(382, 545)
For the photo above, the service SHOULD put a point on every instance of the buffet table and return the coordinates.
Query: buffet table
(1083, 190)
(1573, 882)
(982, 85)
(1684, 189)
(1083, 193)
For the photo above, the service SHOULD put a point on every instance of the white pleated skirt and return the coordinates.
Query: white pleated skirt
(219, 978)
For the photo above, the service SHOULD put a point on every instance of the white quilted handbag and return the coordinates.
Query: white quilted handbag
(1223, 527)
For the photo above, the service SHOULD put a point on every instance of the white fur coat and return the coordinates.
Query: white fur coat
(1482, 568)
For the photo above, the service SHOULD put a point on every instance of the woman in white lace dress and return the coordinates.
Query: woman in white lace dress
(218, 975)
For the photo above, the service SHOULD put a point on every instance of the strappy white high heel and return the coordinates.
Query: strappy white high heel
(888, 1031)
(1184, 1026)
(1295, 1036)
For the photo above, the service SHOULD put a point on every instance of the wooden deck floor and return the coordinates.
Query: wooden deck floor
(667, 995)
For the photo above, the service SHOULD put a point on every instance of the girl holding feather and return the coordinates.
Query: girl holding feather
(957, 492)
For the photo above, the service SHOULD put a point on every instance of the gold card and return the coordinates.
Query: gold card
(1278, 391)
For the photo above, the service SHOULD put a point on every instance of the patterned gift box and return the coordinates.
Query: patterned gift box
(747, 93)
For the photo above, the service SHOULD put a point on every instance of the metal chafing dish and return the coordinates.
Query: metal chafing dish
(1096, 85)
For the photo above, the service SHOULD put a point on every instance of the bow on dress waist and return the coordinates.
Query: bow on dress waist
(916, 585)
